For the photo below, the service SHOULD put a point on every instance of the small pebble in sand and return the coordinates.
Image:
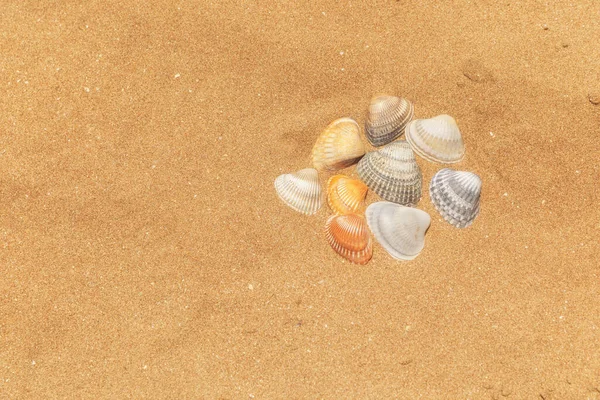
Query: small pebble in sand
(594, 97)
(545, 27)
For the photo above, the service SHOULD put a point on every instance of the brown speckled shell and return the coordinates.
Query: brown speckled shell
(387, 118)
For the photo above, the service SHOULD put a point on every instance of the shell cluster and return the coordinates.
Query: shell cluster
(392, 172)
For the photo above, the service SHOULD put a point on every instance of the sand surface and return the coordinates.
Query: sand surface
(145, 254)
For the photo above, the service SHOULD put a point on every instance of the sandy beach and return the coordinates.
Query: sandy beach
(145, 253)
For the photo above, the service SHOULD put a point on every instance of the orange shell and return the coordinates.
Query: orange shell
(349, 236)
(346, 195)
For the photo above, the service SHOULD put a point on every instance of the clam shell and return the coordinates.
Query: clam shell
(346, 195)
(392, 172)
(349, 236)
(387, 118)
(301, 190)
(436, 139)
(455, 194)
(338, 146)
(400, 230)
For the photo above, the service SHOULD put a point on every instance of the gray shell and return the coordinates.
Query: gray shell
(399, 230)
(392, 172)
(387, 118)
(301, 190)
(455, 194)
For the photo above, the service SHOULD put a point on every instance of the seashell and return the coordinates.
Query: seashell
(392, 172)
(346, 195)
(400, 230)
(387, 118)
(301, 190)
(339, 146)
(349, 237)
(455, 194)
(436, 139)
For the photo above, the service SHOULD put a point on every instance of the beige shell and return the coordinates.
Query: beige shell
(346, 195)
(436, 139)
(338, 146)
(387, 119)
(392, 172)
(455, 194)
(349, 236)
(301, 190)
(399, 230)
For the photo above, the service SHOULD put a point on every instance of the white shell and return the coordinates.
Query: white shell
(436, 139)
(301, 190)
(399, 230)
(387, 118)
(455, 194)
(392, 172)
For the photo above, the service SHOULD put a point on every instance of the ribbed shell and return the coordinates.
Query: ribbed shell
(455, 194)
(346, 195)
(338, 146)
(387, 118)
(349, 236)
(400, 230)
(392, 172)
(301, 190)
(436, 139)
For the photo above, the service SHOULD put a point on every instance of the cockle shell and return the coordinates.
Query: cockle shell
(346, 195)
(301, 190)
(400, 230)
(455, 194)
(392, 172)
(436, 139)
(338, 146)
(349, 236)
(387, 118)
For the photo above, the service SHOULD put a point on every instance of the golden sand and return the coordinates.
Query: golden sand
(145, 253)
